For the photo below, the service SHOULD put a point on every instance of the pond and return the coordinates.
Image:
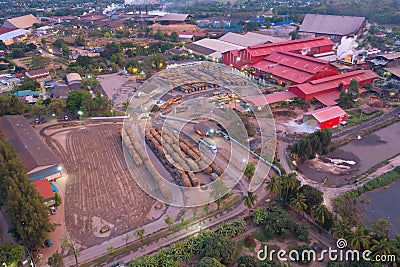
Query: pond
(384, 206)
(356, 157)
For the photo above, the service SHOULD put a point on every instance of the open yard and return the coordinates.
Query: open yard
(101, 193)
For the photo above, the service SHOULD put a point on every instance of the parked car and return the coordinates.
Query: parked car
(53, 210)
(48, 243)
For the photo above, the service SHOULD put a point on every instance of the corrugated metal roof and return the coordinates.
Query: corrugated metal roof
(328, 113)
(31, 149)
(293, 45)
(263, 100)
(329, 24)
(171, 17)
(329, 99)
(291, 66)
(13, 34)
(213, 45)
(73, 77)
(334, 81)
(37, 72)
(241, 40)
(263, 37)
(22, 22)
(44, 188)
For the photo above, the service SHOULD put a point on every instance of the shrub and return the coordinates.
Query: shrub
(301, 232)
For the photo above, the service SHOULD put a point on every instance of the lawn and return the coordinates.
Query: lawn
(356, 118)
(261, 236)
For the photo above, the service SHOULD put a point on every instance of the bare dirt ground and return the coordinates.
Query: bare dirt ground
(100, 190)
(176, 28)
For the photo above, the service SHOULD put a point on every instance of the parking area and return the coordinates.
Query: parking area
(118, 87)
(102, 198)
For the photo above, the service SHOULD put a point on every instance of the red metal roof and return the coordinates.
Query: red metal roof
(329, 99)
(293, 45)
(291, 66)
(4, 30)
(263, 100)
(44, 188)
(334, 81)
(38, 72)
(328, 113)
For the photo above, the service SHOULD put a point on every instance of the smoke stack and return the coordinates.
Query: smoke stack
(147, 10)
(140, 10)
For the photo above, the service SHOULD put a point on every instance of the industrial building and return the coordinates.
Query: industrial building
(328, 117)
(287, 68)
(327, 90)
(249, 39)
(11, 36)
(212, 49)
(245, 57)
(333, 26)
(46, 191)
(38, 159)
(22, 22)
(39, 74)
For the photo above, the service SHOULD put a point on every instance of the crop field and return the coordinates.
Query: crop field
(101, 194)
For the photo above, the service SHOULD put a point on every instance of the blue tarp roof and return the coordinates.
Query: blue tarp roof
(26, 93)
(54, 188)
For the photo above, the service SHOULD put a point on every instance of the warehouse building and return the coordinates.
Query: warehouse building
(245, 57)
(333, 26)
(328, 117)
(212, 49)
(287, 68)
(249, 39)
(38, 159)
(46, 191)
(327, 90)
(39, 74)
(22, 22)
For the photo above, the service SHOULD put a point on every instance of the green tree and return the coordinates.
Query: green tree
(17, 53)
(354, 88)
(11, 253)
(298, 203)
(209, 262)
(359, 239)
(341, 228)
(314, 196)
(320, 213)
(249, 200)
(169, 221)
(10, 105)
(381, 228)
(249, 170)
(57, 106)
(219, 247)
(139, 233)
(43, 41)
(219, 192)
(381, 247)
(274, 184)
(174, 37)
(247, 261)
(79, 100)
(56, 260)
(79, 40)
(29, 84)
(72, 248)
(289, 183)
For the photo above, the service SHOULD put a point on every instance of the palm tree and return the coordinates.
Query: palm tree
(320, 213)
(298, 203)
(341, 229)
(382, 247)
(274, 184)
(249, 200)
(358, 240)
(289, 183)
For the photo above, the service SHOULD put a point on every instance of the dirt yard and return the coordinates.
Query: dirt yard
(101, 192)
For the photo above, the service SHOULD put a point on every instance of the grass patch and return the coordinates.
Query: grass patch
(260, 236)
(357, 118)
(147, 240)
(378, 182)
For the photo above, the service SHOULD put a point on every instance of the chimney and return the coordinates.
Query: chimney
(147, 10)
(140, 10)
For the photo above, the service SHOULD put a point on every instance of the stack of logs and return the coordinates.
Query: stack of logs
(187, 162)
